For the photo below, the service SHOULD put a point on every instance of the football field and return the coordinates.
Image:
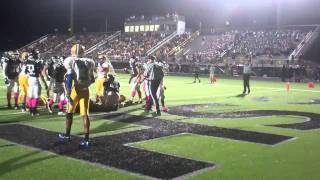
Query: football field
(211, 131)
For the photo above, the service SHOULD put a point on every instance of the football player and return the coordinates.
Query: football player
(135, 83)
(102, 71)
(23, 81)
(79, 76)
(145, 86)
(196, 69)
(212, 70)
(57, 83)
(133, 67)
(34, 71)
(111, 98)
(11, 70)
(160, 95)
(48, 71)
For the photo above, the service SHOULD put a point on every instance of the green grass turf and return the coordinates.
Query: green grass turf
(20, 162)
(296, 159)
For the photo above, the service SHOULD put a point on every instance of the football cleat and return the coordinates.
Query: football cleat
(16, 107)
(64, 138)
(35, 113)
(61, 113)
(50, 109)
(164, 109)
(84, 144)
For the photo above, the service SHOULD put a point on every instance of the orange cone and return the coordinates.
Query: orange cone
(288, 86)
(311, 85)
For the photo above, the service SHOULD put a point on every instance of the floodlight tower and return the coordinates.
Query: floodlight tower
(278, 12)
(71, 17)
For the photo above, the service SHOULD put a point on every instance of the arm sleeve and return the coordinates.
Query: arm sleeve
(69, 76)
(4, 67)
(147, 71)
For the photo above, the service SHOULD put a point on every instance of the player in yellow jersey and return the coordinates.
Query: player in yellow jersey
(79, 77)
(23, 81)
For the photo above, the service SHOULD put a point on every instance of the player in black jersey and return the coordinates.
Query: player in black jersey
(11, 70)
(57, 79)
(133, 68)
(34, 71)
(48, 70)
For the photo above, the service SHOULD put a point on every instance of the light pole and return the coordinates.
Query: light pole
(278, 13)
(71, 17)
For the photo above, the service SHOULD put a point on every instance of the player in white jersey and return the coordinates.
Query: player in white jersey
(102, 72)
(161, 96)
(79, 77)
(212, 70)
(145, 86)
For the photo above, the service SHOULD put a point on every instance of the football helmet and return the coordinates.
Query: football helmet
(77, 50)
(35, 54)
(11, 54)
(24, 56)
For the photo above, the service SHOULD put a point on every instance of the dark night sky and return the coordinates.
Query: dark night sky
(26, 20)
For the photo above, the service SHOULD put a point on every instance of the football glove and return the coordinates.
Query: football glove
(70, 101)
(6, 80)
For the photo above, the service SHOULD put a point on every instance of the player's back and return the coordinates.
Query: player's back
(59, 72)
(13, 68)
(83, 70)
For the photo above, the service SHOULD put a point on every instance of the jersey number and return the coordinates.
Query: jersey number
(30, 69)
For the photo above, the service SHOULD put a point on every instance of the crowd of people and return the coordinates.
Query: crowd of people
(246, 43)
(171, 47)
(89, 39)
(67, 81)
(213, 47)
(47, 43)
(230, 43)
(127, 45)
(274, 42)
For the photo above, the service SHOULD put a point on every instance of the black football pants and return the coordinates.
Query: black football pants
(153, 88)
(246, 83)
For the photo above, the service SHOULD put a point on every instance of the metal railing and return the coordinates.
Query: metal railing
(161, 43)
(33, 42)
(103, 42)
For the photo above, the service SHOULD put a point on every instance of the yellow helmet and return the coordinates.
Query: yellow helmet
(77, 50)
(24, 56)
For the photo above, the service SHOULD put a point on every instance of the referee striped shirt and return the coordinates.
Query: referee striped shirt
(151, 74)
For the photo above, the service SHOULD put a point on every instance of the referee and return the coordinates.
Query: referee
(246, 77)
(154, 74)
